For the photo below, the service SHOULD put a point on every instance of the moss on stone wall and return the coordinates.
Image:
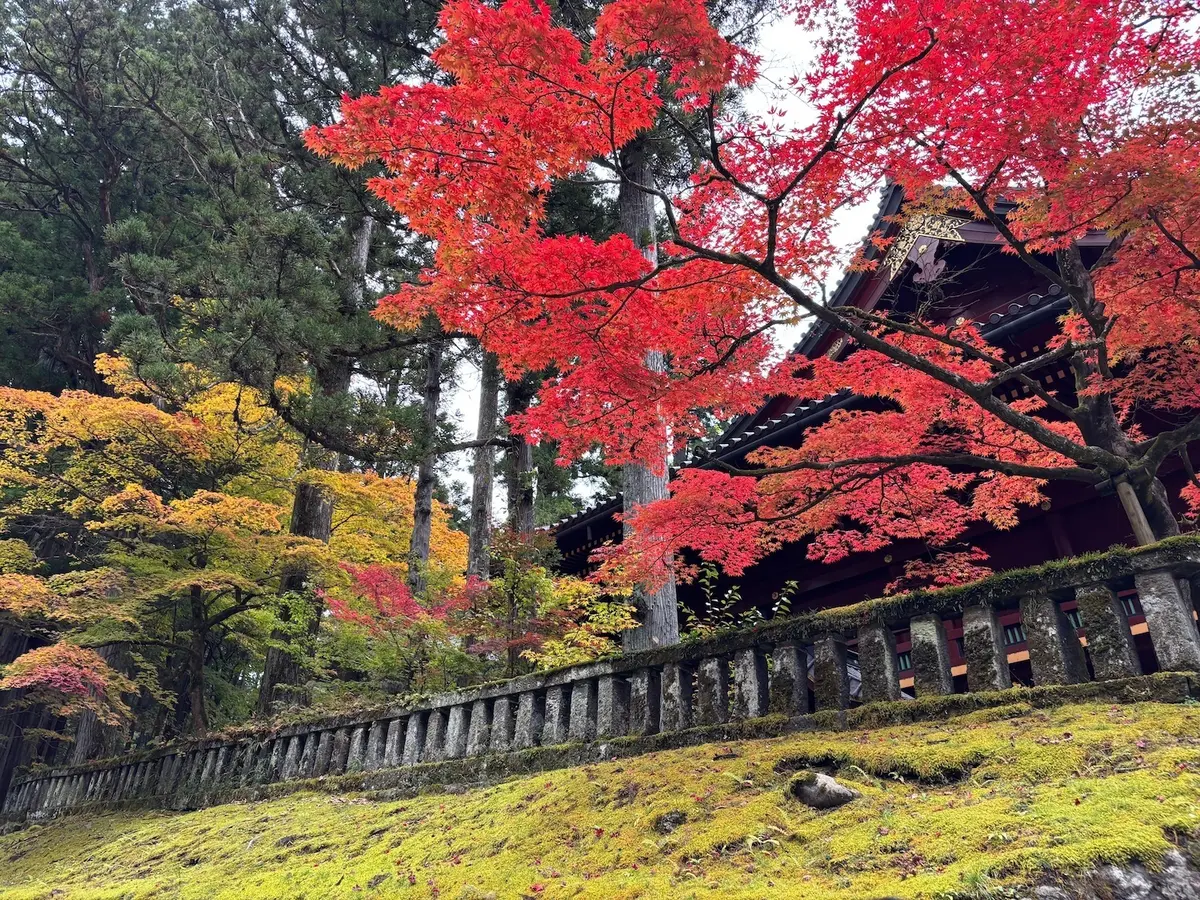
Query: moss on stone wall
(954, 809)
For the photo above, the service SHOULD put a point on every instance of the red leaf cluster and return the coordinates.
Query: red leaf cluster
(1070, 116)
(382, 601)
(71, 679)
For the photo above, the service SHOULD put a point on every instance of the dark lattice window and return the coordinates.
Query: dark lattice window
(1014, 634)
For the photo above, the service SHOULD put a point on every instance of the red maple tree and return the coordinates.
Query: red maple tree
(1048, 119)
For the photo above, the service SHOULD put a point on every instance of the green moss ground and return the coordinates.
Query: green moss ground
(969, 807)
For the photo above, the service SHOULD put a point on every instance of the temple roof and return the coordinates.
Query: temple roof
(752, 430)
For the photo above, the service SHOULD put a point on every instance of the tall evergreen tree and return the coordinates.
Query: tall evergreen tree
(79, 151)
(287, 256)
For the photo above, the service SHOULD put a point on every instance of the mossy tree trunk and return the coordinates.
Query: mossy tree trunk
(283, 671)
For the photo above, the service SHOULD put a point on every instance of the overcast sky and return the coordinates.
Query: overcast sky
(785, 49)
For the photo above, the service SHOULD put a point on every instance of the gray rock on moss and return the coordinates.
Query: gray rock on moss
(820, 791)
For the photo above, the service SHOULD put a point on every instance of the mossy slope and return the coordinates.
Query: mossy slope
(961, 808)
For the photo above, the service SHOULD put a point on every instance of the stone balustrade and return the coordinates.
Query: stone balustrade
(810, 668)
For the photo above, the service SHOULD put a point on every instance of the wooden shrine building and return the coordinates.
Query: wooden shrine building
(1017, 313)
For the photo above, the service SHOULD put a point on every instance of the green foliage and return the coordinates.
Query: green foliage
(527, 616)
(17, 557)
(953, 809)
(724, 610)
(272, 265)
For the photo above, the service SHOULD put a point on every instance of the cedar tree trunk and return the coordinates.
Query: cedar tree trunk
(519, 464)
(483, 471)
(657, 609)
(312, 508)
(418, 550)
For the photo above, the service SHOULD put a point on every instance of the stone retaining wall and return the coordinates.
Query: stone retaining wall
(795, 671)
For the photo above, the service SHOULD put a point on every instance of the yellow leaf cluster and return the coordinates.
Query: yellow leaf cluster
(27, 596)
(372, 522)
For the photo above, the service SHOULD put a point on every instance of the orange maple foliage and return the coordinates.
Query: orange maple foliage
(171, 526)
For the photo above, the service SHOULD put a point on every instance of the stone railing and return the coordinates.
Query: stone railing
(1078, 621)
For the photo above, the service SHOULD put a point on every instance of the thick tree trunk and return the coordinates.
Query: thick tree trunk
(196, 650)
(87, 738)
(418, 549)
(657, 608)
(522, 490)
(283, 672)
(1145, 503)
(483, 471)
(181, 714)
(94, 739)
(1156, 504)
(312, 507)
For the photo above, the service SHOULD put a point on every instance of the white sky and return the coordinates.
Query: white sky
(785, 50)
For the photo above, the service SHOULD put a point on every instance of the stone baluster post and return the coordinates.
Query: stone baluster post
(582, 724)
(877, 664)
(414, 738)
(376, 737)
(557, 721)
(1170, 622)
(308, 757)
(612, 706)
(530, 721)
(340, 754)
(676, 697)
(479, 732)
(1055, 655)
(1110, 642)
(984, 649)
(291, 758)
(500, 738)
(435, 736)
(275, 760)
(356, 758)
(393, 748)
(750, 692)
(831, 680)
(324, 753)
(712, 691)
(645, 695)
(930, 656)
(789, 680)
(457, 726)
